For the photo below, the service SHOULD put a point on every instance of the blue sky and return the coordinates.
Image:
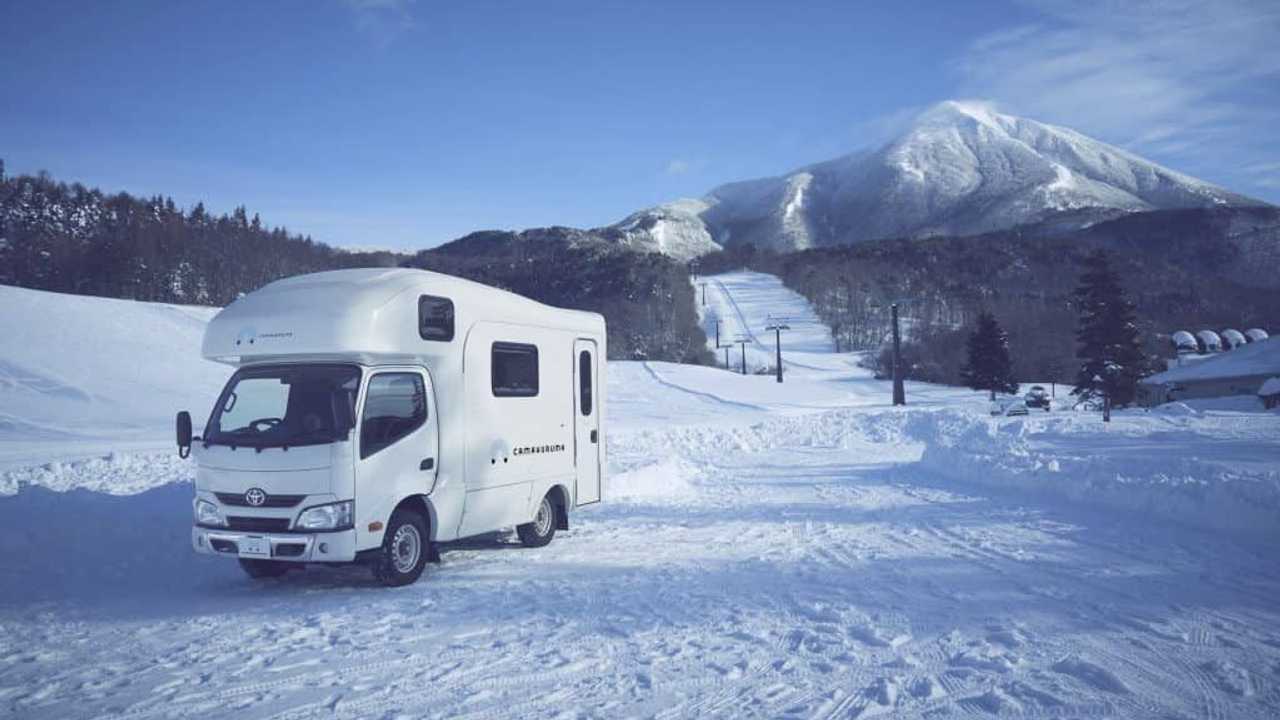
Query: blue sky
(392, 123)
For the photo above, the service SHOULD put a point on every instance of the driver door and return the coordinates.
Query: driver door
(397, 447)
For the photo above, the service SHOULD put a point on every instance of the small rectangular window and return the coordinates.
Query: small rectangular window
(584, 382)
(514, 370)
(435, 318)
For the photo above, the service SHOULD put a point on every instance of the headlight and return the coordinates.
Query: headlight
(208, 514)
(325, 517)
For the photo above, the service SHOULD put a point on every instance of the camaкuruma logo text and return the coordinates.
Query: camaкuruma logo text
(536, 449)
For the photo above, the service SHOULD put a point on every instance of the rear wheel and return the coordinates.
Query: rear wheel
(404, 549)
(543, 528)
(259, 569)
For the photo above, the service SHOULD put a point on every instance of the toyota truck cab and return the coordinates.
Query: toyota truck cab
(377, 413)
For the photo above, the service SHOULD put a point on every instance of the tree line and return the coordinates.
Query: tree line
(1109, 360)
(68, 238)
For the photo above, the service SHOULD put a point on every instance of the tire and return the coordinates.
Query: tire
(404, 550)
(539, 532)
(260, 569)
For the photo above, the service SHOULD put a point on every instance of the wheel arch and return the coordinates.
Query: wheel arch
(423, 506)
(560, 500)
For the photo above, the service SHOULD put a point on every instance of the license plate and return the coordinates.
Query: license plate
(256, 546)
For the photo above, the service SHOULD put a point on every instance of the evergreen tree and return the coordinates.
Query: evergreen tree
(988, 366)
(1111, 358)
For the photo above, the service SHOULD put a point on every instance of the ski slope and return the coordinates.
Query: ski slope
(746, 304)
(801, 550)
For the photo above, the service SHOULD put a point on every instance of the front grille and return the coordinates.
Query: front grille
(258, 524)
(272, 501)
(289, 549)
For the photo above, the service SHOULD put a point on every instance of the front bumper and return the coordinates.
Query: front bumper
(290, 547)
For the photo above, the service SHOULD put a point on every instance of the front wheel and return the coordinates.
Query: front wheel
(404, 550)
(259, 569)
(543, 528)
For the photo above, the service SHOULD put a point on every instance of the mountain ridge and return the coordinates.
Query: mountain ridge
(960, 168)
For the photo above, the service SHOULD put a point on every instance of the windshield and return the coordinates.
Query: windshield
(285, 405)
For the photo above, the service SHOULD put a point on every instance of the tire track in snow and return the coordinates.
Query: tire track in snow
(696, 393)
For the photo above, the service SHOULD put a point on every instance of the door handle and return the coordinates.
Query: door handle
(595, 436)
(427, 464)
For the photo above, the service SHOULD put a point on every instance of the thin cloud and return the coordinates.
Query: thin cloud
(382, 21)
(883, 128)
(1171, 77)
(678, 166)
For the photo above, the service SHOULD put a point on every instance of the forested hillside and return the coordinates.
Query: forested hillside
(1191, 269)
(69, 238)
(645, 297)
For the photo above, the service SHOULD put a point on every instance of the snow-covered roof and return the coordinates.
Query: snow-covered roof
(1209, 339)
(1233, 338)
(1184, 339)
(1255, 334)
(366, 314)
(1270, 387)
(1259, 358)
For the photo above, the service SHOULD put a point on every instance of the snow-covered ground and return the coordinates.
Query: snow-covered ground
(796, 550)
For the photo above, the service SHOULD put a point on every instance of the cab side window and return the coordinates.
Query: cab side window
(395, 405)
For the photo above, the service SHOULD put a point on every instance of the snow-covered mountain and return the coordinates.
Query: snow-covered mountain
(961, 168)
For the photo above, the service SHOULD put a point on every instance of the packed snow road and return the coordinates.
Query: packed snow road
(798, 550)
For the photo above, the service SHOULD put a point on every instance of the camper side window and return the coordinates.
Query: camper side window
(395, 405)
(514, 370)
(435, 318)
(584, 382)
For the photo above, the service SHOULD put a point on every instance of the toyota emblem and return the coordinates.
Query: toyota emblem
(255, 497)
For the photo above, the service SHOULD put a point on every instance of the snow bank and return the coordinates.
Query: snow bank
(1218, 471)
(668, 479)
(1219, 481)
(85, 376)
(113, 474)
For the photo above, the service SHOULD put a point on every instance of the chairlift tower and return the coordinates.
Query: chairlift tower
(899, 391)
(777, 325)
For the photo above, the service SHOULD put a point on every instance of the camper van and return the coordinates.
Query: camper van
(374, 414)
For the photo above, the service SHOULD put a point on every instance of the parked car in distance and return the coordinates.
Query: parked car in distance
(1008, 408)
(1038, 397)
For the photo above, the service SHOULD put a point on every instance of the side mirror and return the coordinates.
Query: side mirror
(184, 434)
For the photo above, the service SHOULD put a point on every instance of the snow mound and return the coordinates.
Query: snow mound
(667, 479)
(86, 376)
(1217, 473)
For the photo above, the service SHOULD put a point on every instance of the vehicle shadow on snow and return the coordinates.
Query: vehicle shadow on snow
(129, 557)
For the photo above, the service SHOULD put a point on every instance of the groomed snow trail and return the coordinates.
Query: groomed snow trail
(764, 551)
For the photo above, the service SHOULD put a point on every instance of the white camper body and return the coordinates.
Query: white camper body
(376, 394)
